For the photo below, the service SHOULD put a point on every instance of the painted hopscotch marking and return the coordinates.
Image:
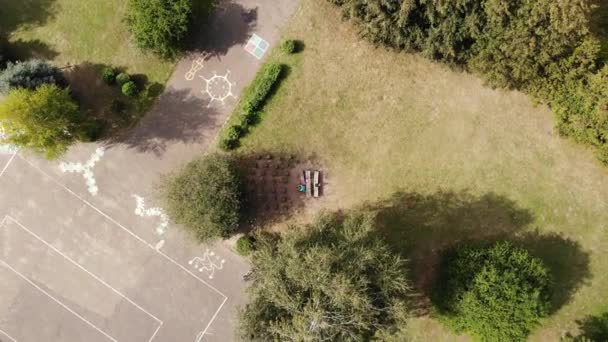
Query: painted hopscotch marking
(197, 65)
(209, 262)
(218, 87)
(140, 210)
(91, 274)
(138, 238)
(257, 46)
(86, 169)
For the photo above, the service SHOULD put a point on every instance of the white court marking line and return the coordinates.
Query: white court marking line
(7, 335)
(128, 231)
(56, 300)
(7, 217)
(8, 164)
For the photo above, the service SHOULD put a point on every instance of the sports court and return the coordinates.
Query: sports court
(68, 272)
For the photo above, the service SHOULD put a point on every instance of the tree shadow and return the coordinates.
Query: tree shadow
(422, 227)
(106, 103)
(566, 260)
(22, 50)
(21, 14)
(271, 187)
(598, 23)
(592, 328)
(228, 25)
(177, 116)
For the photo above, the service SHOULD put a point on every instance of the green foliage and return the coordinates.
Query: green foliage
(130, 89)
(289, 46)
(334, 280)
(595, 328)
(252, 102)
(230, 138)
(542, 47)
(159, 26)
(108, 75)
(30, 75)
(205, 197)
(122, 79)
(245, 245)
(46, 119)
(496, 293)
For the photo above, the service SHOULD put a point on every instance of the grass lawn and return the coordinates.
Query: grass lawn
(86, 34)
(442, 158)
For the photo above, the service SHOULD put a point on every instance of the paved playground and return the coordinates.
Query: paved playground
(86, 253)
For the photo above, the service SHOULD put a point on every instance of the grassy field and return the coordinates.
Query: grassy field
(76, 31)
(442, 158)
(83, 36)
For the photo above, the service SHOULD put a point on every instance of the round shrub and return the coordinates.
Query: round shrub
(245, 245)
(495, 293)
(289, 46)
(108, 75)
(130, 89)
(205, 197)
(122, 78)
(230, 138)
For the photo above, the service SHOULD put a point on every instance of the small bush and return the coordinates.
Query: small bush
(130, 89)
(205, 197)
(122, 78)
(245, 245)
(30, 75)
(496, 293)
(230, 138)
(108, 75)
(289, 46)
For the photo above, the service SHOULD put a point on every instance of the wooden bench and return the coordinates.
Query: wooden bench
(308, 183)
(315, 184)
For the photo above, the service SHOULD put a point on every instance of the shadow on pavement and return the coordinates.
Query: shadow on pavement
(177, 116)
(228, 25)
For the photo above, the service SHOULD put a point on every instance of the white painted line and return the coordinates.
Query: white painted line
(84, 269)
(56, 300)
(8, 164)
(137, 237)
(7, 335)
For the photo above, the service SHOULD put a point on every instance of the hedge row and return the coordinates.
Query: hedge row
(251, 104)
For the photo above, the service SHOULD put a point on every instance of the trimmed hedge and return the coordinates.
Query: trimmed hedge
(289, 46)
(252, 102)
(130, 89)
(108, 75)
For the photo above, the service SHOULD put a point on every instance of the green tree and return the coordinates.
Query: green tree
(206, 197)
(46, 119)
(31, 75)
(496, 293)
(334, 280)
(159, 26)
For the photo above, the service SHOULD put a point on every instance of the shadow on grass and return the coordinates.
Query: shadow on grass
(177, 116)
(16, 14)
(227, 25)
(592, 328)
(422, 227)
(271, 183)
(106, 103)
(22, 50)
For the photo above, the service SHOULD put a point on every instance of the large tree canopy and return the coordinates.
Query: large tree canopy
(495, 293)
(159, 26)
(334, 280)
(543, 47)
(46, 119)
(206, 197)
